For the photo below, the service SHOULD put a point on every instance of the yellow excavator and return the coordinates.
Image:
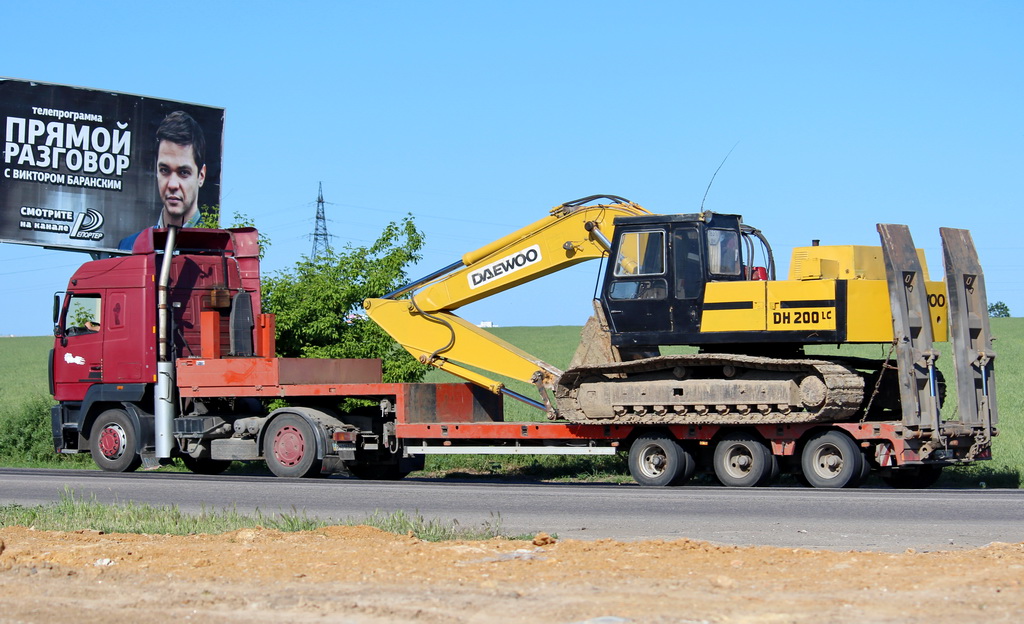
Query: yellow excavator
(708, 280)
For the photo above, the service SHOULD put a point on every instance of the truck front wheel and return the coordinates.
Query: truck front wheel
(112, 442)
(658, 460)
(832, 460)
(289, 448)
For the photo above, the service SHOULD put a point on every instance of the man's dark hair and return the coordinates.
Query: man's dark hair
(179, 127)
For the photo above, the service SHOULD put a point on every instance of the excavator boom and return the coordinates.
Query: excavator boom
(425, 325)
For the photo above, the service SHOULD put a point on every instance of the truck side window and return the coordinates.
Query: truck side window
(83, 315)
(689, 275)
(641, 253)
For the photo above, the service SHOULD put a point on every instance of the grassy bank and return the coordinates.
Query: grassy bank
(72, 513)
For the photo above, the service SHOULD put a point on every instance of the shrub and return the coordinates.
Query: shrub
(25, 431)
(26, 436)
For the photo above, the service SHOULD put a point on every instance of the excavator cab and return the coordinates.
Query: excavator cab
(660, 265)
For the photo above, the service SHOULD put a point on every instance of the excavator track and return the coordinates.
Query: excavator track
(711, 388)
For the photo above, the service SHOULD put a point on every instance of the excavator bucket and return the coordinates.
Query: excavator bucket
(969, 330)
(912, 330)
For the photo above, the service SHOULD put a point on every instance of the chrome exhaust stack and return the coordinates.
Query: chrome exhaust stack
(163, 426)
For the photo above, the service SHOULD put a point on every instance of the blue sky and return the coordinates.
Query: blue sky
(478, 117)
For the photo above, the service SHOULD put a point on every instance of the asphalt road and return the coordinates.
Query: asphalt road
(861, 519)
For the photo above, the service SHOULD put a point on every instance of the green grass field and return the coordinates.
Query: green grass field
(554, 345)
(23, 388)
(23, 368)
(1008, 447)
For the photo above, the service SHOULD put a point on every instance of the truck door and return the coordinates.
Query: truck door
(78, 349)
(637, 293)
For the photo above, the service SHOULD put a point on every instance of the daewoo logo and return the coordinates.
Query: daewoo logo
(504, 266)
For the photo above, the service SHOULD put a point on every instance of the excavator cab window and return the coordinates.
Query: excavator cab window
(641, 253)
(724, 252)
(640, 267)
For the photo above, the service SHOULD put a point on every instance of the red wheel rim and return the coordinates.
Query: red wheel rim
(113, 441)
(289, 446)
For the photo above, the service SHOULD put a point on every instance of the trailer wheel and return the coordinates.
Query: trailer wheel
(112, 442)
(205, 465)
(743, 461)
(916, 478)
(658, 460)
(832, 460)
(289, 448)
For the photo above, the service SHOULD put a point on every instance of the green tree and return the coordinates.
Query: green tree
(318, 303)
(209, 216)
(998, 310)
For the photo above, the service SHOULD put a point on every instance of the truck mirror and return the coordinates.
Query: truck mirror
(58, 331)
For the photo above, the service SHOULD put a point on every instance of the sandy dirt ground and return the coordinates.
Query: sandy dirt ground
(363, 575)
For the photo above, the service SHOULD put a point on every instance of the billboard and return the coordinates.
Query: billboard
(83, 168)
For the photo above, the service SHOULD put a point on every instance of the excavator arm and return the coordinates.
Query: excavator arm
(424, 323)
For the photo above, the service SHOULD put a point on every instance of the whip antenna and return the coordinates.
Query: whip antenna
(706, 191)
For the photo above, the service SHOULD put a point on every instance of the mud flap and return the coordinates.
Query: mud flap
(912, 330)
(969, 331)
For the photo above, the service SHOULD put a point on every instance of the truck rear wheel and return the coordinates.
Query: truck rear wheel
(744, 461)
(658, 460)
(289, 448)
(832, 460)
(112, 442)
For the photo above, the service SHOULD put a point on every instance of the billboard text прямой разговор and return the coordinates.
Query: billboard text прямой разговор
(79, 166)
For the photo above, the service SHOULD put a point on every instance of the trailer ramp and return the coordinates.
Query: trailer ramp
(912, 331)
(969, 332)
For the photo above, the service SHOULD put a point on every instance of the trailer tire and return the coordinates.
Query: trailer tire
(289, 448)
(832, 460)
(917, 478)
(113, 440)
(742, 460)
(659, 461)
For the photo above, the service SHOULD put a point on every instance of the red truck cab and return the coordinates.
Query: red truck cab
(105, 345)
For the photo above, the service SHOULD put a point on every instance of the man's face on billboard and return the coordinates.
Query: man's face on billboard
(178, 181)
